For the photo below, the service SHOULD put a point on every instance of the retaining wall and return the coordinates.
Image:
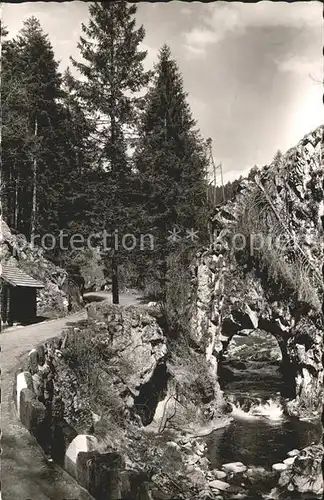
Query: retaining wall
(103, 475)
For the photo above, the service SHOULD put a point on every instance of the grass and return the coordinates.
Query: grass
(285, 269)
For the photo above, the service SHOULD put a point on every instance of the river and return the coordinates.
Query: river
(260, 435)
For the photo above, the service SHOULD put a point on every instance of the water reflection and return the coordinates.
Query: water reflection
(258, 442)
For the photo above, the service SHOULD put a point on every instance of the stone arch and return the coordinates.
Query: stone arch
(227, 301)
(241, 317)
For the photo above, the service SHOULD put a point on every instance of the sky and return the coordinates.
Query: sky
(252, 72)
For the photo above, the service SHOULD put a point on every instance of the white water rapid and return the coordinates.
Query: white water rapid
(270, 410)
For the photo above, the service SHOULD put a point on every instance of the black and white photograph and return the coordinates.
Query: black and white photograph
(162, 250)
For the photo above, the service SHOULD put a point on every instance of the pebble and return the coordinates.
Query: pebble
(279, 467)
(172, 444)
(293, 453)
(219, 474)
(219, 485)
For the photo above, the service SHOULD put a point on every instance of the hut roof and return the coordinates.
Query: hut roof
(16, 277)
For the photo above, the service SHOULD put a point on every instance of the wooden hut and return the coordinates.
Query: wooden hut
(19, 295)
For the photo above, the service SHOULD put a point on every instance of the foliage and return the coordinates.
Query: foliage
(31, 117)
(67, 142)
(170, 162)
(176, 302)
(281, 261)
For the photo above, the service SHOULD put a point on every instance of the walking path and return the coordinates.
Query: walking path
(25, 474)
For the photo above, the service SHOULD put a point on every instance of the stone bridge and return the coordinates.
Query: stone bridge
(232, 292)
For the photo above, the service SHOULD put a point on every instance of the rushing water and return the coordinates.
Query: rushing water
(260, 434)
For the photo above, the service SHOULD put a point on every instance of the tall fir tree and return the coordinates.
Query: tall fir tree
(13, 127)
(170, 160)
(76, 153)
(3, 34)
(113, 76)
(32, 124)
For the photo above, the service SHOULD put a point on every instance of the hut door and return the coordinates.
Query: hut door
(23, 304)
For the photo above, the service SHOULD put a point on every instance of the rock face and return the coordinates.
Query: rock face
(264, 270)
(304, 475)
(113, 363)
(161, 386)
(92, 393)
(59, 294)
(137, 347)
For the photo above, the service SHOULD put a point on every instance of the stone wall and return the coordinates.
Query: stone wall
(103, 474)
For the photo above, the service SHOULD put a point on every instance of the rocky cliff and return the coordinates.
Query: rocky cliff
(117, 382)
(264, 270)
(58, 291)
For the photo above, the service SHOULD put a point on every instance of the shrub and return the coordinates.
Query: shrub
(285, 269)
(176, 300)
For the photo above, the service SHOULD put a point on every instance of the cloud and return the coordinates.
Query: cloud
(232, 175)
(264, 14)
(302, 66)
(151, 57)
(198, 39)
(221, 19)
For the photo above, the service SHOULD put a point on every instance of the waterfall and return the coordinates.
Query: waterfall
(255, 409)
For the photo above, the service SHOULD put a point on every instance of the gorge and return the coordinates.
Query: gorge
(133, 412)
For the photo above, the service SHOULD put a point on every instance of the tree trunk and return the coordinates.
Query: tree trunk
(16, 203)
(114, 279)
(1, 166)
(34, 201)
(1, 180)
(114, 261)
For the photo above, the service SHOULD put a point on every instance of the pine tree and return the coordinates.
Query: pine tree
(31, 125)
(277, 157)
(42, 83)
(113, 77)
(13, 126)
(76, 158)
(170, 160)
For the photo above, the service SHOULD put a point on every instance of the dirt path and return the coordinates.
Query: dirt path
(25, 474)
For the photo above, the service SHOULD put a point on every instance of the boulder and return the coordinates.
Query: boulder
(101, 474)
(305, 475)
(32, 412)
(81, 443)
(234, 467)
(33, 361)
(24, 380)
(229, 295)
